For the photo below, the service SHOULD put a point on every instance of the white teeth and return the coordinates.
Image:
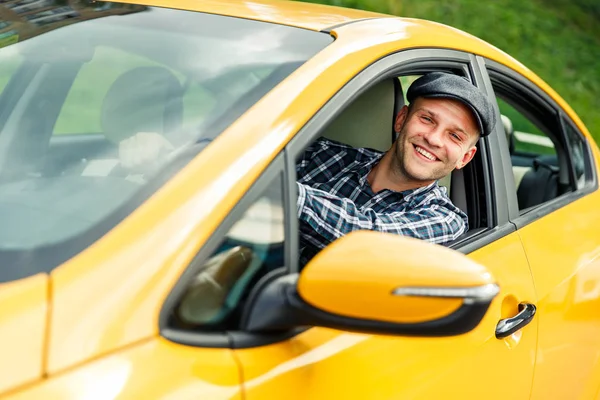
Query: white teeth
(426, 154)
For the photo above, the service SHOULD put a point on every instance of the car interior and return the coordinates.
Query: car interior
(368, 122)
(537, 173)
(536, 177)
(544, 165)
(122, 116)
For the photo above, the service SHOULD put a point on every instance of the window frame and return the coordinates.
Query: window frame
(591, 180)
(232, 338)
(561, 143)
(400, 63)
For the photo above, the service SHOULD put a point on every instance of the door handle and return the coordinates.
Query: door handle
(508, 326)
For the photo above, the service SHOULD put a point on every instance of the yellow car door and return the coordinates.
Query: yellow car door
(149, 370)
(325, 363)
(558, 220)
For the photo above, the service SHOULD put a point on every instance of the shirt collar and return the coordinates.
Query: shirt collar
(408, 194)
(364, 170)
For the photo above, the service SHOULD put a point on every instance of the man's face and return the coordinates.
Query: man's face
(435, 137)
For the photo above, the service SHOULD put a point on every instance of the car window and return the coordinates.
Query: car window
(92, 85)
(525, 137)
(81, 111)
(461, 195)
(540, 157)
(253, 247)
(374, 110)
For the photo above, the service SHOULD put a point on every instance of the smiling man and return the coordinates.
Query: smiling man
(342, 189)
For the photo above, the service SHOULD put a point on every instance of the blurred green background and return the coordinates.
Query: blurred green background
(559, 40)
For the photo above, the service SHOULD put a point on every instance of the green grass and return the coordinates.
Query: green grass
(559, 40)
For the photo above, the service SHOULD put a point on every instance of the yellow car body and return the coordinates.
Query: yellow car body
(91, 328)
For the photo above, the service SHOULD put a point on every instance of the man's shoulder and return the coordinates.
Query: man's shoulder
(325, 144)
(428, 193)
(337, 147)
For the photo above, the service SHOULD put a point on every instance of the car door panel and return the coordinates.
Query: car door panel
(323, 364)
(566, 269)
(154, 369)
(23, 319)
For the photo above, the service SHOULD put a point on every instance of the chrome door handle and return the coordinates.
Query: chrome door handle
(508, 326)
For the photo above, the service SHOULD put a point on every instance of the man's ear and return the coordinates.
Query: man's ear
(400, 118)
(467, 157)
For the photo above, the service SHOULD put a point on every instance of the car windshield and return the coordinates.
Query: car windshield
(98, 98)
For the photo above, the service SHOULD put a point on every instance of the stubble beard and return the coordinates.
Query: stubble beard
(401, 170)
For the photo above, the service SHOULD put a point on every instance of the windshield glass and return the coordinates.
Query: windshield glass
(97, 98)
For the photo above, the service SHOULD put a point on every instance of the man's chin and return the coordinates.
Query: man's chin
(424, 178)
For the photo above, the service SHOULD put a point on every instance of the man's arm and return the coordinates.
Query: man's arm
(320, 150)
(324, 218)
(305, 158)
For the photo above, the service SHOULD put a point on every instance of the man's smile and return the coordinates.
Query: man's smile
(425, 154)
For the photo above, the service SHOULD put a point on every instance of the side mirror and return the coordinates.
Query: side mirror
(378, 283)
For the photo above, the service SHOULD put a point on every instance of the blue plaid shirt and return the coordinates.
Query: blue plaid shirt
(335, 198)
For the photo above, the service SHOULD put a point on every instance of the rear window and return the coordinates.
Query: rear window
(100, 104)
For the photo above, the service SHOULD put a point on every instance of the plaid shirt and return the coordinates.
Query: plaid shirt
(334, 198)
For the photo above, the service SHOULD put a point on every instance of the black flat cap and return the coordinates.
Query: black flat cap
(443, 85)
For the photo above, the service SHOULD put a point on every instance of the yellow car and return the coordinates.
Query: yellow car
(149, 233)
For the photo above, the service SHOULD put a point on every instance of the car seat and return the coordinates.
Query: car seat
(540, 183)
(369, 120)
(144, 99)
(519, 171)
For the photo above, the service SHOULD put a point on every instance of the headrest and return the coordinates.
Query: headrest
(144, 99)
(509, 132)
(368, 120)
(508, 126)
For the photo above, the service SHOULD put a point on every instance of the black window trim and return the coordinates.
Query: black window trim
(523, 91)
(589, 169)
(563, 200)
(503, 182)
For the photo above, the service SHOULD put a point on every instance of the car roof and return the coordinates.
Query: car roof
(330, 19)
(311, 16)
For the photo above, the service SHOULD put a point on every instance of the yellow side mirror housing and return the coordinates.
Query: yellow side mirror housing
(378, 283)
(377, 276)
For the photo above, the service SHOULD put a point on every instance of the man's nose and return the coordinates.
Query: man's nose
(434, 137)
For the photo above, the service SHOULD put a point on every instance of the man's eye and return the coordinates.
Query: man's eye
(426, 119)
(456, 136)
